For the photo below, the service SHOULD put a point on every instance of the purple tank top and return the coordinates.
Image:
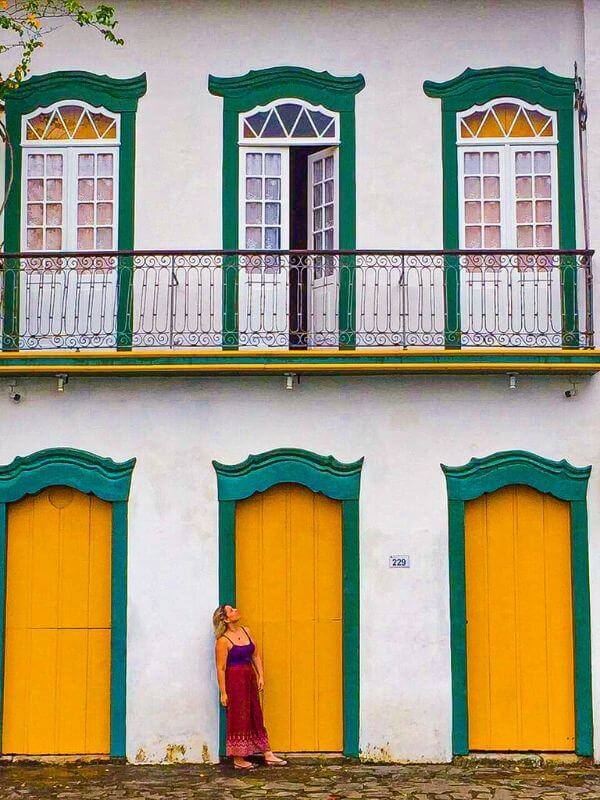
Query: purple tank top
(240, 653)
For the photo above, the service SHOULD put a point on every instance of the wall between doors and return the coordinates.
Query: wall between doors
(396, 45)
(404, 427)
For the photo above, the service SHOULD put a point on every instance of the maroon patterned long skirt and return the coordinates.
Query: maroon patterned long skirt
(246, 733)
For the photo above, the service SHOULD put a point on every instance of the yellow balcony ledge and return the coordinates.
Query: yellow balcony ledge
(369, 361)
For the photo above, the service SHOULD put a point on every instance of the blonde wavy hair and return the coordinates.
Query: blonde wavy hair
(220, 621)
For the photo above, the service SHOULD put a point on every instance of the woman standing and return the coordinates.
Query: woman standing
(240, 677)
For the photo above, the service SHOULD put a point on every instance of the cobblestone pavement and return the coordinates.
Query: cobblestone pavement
(469, 781)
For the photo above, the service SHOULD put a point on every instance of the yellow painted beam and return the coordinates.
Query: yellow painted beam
(385, 352)
(299, 368)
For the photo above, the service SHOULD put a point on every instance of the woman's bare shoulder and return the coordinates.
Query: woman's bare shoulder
(223, 642)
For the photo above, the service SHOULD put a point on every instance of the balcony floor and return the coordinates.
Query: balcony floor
(374, 361)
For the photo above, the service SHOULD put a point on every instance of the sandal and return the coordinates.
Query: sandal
(281, 762)
(249, 765)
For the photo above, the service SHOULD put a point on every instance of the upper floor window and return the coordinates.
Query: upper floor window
(507, 171)
(70, 169)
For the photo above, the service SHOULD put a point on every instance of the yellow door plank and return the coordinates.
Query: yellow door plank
(328, 640)
(528, 536)
(97, 739)
(74, 579)
(302, 556)
(302, 709)
(301, 622)
(100, 564)
(45, 563)
(519, 622)
(275, 554)
(71, 691)
(57, 646)
(42, 701)
(19, 554)
(504, 677)
(277, 694)
(478, 674)
(275, 611)
(289, 589)
(16, 691)
(249, 585)
(559, 624)
(328, 523)
(328, 629)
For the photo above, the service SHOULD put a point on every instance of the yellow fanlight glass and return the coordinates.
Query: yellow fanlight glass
(71, 116)
(37, 125)
(474, 121)
(522, 127)
(491, 128)
(505, 113)
(56, 129)
(106, 126)
(506, 120)
(86, 129)
(71, 121)
(542, 123)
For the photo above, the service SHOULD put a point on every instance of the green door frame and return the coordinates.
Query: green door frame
(538, 87)
(563, 481)
(118, 95)
(110, 481)
(259, 88)
(334, 479)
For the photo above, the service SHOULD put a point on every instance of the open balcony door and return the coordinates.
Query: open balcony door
(323, 234)
(264, 225)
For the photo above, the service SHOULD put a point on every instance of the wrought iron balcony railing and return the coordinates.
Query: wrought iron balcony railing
(296, 299)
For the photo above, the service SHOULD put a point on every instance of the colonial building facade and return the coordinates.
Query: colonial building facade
(297, 314)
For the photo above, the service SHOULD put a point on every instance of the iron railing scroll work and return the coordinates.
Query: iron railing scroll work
(296, 299)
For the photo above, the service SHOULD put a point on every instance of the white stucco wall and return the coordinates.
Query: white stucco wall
(404, 426)
(176, 427)
(396, 45)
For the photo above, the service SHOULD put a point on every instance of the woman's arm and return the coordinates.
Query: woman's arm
(221, 651)
(257, 661)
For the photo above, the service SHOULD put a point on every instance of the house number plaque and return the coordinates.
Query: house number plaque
(399, 562)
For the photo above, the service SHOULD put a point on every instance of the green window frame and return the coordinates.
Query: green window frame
(334, 479)
(537, 87)
(118, 95)
(110, 481)
(563, 481)
(259, 88)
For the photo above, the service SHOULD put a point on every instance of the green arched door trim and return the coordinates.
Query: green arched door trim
(337, 480)
(119, 95)
(260, 87)
(109, 481)
(478, 86)
(564, 481)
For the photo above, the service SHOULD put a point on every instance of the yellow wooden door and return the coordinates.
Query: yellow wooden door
(519, 622)
(289, 591)
(57, 649)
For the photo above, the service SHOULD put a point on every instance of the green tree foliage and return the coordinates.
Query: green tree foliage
(25, 24)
